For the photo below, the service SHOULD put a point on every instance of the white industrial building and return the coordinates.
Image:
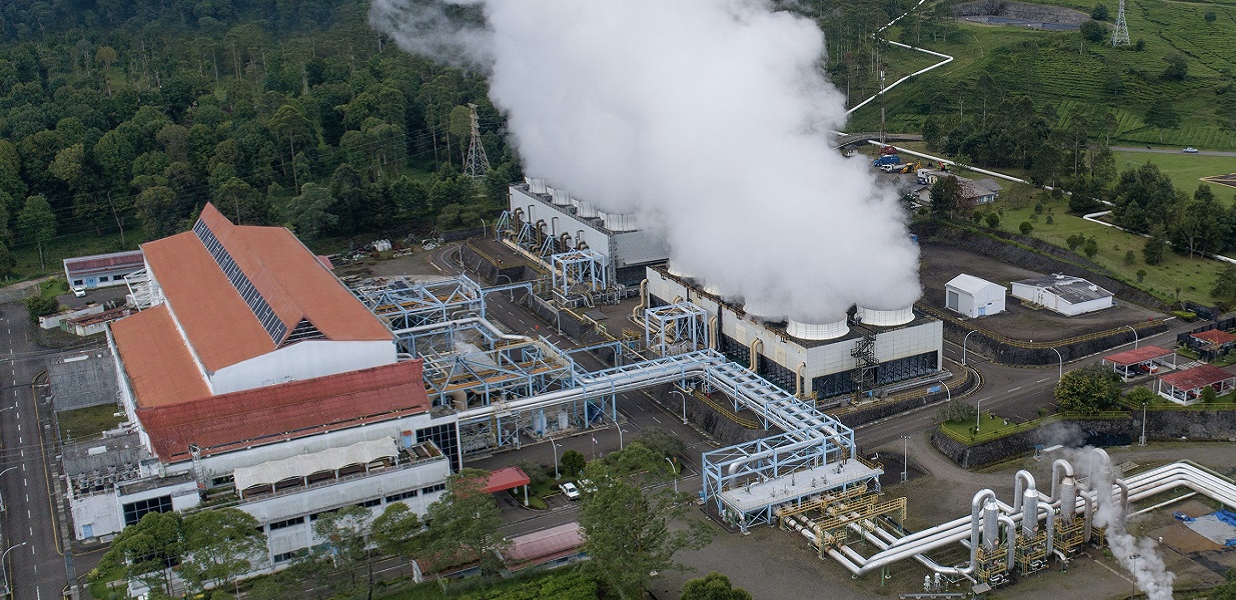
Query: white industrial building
(871, 350)
(546, 220)
(973, 296)
(1064, 294)
(101, 270)
(253, 378)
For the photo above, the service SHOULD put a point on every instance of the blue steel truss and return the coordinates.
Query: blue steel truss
(676, 326)
(579, 272)
(511, 369)
(403, 303)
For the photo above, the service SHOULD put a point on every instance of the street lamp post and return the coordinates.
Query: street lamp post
(674, 471)
(947, 391)
(1142, 440)
(1060, 373)
(978, 414)
(554, 446)
(7, 591)
(1135, 336)
(963, 346)
(684, 405)
(3, 507)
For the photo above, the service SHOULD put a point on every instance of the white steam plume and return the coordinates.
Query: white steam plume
(1139, 556)
(707, 116)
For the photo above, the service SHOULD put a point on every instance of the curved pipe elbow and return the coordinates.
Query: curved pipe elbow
(1023, 480)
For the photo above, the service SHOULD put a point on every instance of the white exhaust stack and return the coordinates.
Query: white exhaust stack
(886, 318)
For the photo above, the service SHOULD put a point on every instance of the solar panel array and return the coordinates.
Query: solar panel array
(252, 297)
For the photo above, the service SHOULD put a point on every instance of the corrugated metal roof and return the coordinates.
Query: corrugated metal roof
(1073, 290)
(506, 478)
(1197, 377)
(285, 411)
(156, 359)
(103, 263)
(1215, 336)
(216, 320)
(545, 544)
(1138, 355)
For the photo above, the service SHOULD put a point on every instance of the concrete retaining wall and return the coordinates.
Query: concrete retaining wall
(1163, 425)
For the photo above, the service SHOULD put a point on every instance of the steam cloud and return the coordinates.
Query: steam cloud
(1139, 556)
(707, 116)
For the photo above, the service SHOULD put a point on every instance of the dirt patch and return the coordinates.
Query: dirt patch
(1039, 16)
(1229, 180)
(943, 262)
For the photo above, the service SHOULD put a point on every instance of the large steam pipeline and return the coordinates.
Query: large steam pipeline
(1025, 535)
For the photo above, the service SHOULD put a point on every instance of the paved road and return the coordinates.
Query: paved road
(36, 567)
(1170, 151)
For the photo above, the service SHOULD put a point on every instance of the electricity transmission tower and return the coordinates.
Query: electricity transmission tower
(1120, 35)
(477, 163)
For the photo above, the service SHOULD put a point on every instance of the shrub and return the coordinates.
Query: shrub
(1099, 13)
(1141, 275)
(1092, 248)
(1025, 228)
(993, 220)
(1130, 257)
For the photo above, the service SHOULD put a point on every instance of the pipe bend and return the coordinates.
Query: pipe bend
(1018, 479)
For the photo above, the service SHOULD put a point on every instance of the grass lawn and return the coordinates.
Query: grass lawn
(1193, 277)
(87, 423)
(1185, 170)
(67, 246)
(990, 426)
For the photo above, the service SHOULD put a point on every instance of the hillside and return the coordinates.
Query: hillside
(1063, 73)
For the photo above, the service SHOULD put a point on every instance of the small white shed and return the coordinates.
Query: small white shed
(974, 297)
(1064, 294)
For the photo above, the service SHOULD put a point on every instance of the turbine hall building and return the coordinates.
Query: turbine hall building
(867, 352)
(253, 378)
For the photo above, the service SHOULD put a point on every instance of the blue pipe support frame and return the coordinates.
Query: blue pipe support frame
(676, 323)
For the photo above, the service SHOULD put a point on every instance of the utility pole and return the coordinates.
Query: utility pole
(1120, 34)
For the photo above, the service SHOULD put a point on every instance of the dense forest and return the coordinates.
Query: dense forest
(120, 119)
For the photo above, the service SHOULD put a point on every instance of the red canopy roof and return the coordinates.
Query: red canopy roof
(1197, 377)
(1215, 336)
(545, 545)
(1138, 355)
(506, 478)
(285, 411)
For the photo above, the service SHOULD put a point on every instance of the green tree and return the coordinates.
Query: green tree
(626, 529)
(1225, 285)
(1076, 241)
(1099, 12)
(1091, 248)
(1142, 198)
(1130, 257)
(957, 410)
(37, 222)
(713, 586)
(147, 550)
(1209, 395)
(572, 463)
(348, 532)
(1088, 389)
(1203, 226)
(311, 212)
(220, 546)
(993, 220)
(1025, 228)
(945, 197)
(38, 306)
(397, 531)
(1177, 67)
(464, 522)
(1141, 275)
(1093, 31)
(158, 208)
(1140, 395)
(1162, 114)
(1210, 16)
(291, 126)
(1155, 246)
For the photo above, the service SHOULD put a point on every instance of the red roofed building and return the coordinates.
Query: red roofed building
(1140, 361)
(1185, 387)
(254, 378)
(102, 270)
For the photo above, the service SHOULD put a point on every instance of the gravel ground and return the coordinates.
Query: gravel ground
(941, 263)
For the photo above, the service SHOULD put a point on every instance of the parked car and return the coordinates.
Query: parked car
(1190, 150)
(569, 490)
(79, 291)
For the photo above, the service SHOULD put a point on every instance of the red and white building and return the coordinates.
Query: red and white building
(1147, 360)
(254, 378)
(1186, 387)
